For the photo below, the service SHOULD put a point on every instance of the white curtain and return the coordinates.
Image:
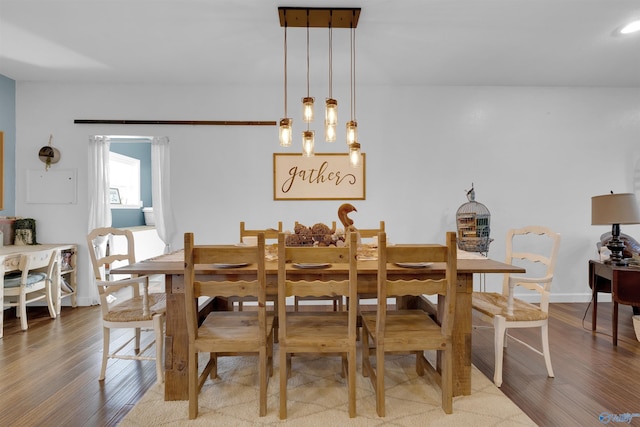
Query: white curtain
(99, 207)
(160, 190)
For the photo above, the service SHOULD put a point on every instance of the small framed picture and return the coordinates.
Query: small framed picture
(114, 196)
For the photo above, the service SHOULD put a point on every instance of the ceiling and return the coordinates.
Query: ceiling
(398, 42)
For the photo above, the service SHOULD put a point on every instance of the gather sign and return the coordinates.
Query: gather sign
(326, 176)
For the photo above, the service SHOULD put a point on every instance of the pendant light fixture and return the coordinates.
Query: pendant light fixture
(286, 123)
(307, 102)
(352, 125)
(320, 17)
(308, 136)
(355, 156)
(331, 110)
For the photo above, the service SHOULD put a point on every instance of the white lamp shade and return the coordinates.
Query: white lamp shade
(611, 209)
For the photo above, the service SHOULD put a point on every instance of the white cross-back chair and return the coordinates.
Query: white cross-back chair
(536, 249)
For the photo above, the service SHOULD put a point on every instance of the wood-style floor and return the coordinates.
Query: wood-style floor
(48, 375)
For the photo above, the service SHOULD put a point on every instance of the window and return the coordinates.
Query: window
(125, 177)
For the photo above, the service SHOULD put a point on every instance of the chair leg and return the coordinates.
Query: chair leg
(193, 383)
(283, 384)
(158, 321)
(351, 383)
(105, 352)
(447, 380)
(545, 348)
(21, 312)
(53, 312)
(380, 382)
(419, 365)
(499, 328)
(262, 373)
(137, 347)
(365, 352)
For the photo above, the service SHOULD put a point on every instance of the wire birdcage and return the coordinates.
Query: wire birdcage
(474, 225)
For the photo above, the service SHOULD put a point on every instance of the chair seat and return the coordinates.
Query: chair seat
(231, 327)
(13, 280)
(328, 328)
(131, 309)
(407, 327)
(495, 304)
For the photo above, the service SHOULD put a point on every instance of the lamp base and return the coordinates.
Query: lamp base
(616, 246)
(620, 262)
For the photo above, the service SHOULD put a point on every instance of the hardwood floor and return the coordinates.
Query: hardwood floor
(48, 375)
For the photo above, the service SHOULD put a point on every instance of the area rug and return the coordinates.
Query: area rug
(317, 396)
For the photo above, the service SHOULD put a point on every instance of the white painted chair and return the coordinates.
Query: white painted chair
(505, 311)
(36, 280)
(138, 309)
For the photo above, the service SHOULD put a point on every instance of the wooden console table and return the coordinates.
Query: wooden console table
(623, 283)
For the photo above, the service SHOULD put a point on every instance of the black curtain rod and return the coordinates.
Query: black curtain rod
(176, 122)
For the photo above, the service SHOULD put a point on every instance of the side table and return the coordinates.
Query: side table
(623, 283)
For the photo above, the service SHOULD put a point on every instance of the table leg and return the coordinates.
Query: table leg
(594, 298)
(462, 327)
(594, 312)
(614, 327)
(176, 380)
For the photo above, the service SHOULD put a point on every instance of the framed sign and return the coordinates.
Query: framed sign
(325, 176)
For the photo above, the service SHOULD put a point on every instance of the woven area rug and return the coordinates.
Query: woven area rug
(317, 396)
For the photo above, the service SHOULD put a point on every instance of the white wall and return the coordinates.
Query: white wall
(535, 155)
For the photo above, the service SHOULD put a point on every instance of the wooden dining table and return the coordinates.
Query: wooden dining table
(176, 339)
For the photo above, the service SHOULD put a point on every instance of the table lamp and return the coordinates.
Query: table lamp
(615, 209)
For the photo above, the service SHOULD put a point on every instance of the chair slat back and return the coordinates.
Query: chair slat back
(367, 233)
(527, 247)
(269, 233)
(253, 283)
(37, 260)
(103, 258)
(313, 284)
(429, 253)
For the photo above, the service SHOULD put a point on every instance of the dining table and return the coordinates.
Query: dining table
(171, 266)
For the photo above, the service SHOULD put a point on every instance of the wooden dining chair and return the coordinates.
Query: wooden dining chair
(336, 301)
(536, 249)
(368, 236)
(270, 237)
(37, 276)
(125, 302)
(412, 331)
(320, 331)
(227, 333)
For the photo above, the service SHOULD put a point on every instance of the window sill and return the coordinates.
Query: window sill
(126, 207)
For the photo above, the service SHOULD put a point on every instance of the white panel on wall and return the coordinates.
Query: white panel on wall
(52, 186)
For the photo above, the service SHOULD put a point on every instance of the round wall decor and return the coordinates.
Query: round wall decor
(49, 155)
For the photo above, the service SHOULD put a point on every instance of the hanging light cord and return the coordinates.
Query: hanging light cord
(285, 67)
(330, 61)
(308, 60)
(353, 65)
